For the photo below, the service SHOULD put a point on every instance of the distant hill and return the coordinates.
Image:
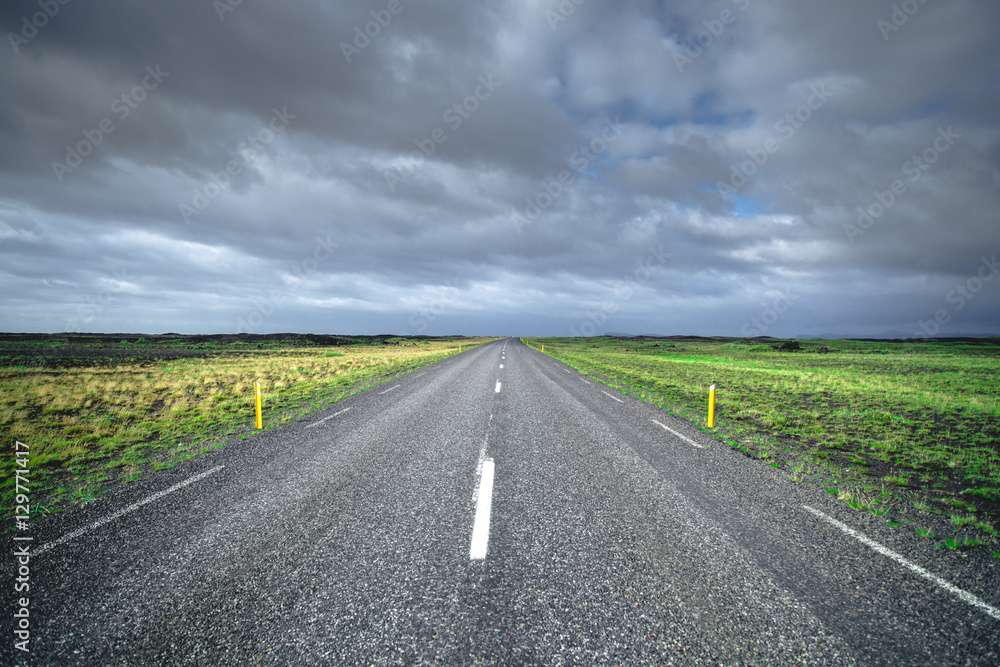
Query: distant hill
(891, 334)
(895, 335)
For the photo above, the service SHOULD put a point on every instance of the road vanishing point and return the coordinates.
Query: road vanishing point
(493, 509)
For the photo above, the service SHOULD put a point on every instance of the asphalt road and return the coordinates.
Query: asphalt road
(612, 533)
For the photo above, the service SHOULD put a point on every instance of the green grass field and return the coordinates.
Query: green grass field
(95, 414)
(908, 430)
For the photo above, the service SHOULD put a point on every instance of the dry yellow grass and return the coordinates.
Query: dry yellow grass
(133, 415)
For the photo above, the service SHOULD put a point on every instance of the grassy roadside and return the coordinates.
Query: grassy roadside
(92, 420)
(908, 431)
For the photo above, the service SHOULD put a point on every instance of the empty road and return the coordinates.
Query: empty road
(494, 508)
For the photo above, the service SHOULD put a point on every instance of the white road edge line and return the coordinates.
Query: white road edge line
(330, 417)
(614, 397)
(481, 528)
(567, 370)
(964, 595)
(682, 437)
(389, 389)
(100, 522)
(582, 380)
(497, 390)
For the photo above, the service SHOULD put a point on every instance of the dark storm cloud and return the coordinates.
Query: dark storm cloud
(446, 166)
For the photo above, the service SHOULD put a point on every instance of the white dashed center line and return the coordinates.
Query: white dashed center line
(389, 389)
(614, 397)
(481, 528)
(330, 417)
(682, 437)
(501, 365)
(497, 390)
(963, 595)
(584, 381)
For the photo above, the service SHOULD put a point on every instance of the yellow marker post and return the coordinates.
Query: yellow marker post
(256, 401)
(543, 347)
(711, 406)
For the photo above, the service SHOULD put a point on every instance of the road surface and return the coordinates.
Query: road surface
(494, 508)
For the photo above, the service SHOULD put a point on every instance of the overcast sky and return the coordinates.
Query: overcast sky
(522, 167)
